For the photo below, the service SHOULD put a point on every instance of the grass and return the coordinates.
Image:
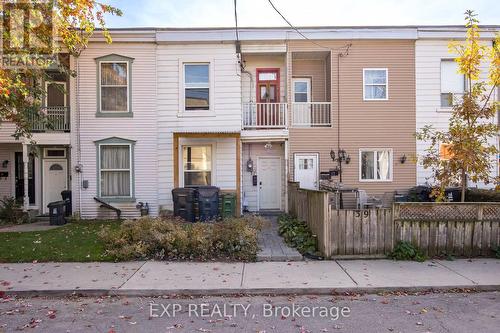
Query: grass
(77, 241)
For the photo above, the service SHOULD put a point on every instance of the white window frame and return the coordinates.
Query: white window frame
(453, 94)
(207, 86)
(212, 161)
(130, 169)
(371, 84)
(182, 112)
(308, 81)
(56, 82)
(45, 155)
(101, 85)
(391, 165)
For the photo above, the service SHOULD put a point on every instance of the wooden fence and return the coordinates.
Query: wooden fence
(460, 229)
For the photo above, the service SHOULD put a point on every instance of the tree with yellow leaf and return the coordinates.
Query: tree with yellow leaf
(65, 25)
(471, 129)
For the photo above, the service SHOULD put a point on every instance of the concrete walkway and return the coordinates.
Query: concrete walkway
(27, 227)
(306, 277)
(272, 246)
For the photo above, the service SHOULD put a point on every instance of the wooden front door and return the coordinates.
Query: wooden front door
(268, 91)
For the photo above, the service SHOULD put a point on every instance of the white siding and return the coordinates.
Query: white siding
(428, 55)
(226, 107)
(141, 127)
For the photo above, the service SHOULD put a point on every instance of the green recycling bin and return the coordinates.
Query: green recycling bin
(228, 205)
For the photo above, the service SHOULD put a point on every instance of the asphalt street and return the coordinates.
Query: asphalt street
(395, 312)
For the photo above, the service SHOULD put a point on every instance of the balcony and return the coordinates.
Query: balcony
(51, 119)
(264, 116)
(312, 114)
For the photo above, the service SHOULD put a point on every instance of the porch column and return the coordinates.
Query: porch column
(286, 175)
(26, 198)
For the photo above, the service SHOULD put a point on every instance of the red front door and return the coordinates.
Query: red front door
(268, 91)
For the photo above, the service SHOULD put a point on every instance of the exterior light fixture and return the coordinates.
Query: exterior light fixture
(268, 145)
(332, 155)
(403, 159)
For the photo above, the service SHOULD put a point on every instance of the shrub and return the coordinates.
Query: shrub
(11, 212)
(297, 234)
(482, 195)
(406, 251)
(171, 239)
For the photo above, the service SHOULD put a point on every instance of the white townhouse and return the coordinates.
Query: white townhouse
(438, 83)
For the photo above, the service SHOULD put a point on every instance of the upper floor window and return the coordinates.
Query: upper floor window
(196, 86)
(375, 83)
(452, 83)
(375, 165)
(114, 88)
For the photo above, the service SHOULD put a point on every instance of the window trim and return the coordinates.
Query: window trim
(391, 164)
(115, 141)
(386, 84)
(212, 161)
(182, 112)
(45, 155)
(64, 83)
(114, 58)
(447, 108)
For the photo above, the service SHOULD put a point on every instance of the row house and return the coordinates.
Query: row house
(164, 108)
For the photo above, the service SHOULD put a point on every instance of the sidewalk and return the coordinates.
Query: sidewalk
(307, 277)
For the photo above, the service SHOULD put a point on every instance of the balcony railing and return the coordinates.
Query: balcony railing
(264, 115)
(312, 114)
(51, 119)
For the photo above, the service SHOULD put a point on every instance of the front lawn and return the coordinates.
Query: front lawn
(78, 241)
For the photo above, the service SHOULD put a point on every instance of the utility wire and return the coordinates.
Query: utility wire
(236, 21)
(345, 47)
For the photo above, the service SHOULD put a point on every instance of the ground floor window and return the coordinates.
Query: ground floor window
(375, 164)
(115, 169)
(197, 165)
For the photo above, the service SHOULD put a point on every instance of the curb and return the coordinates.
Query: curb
(244, 291)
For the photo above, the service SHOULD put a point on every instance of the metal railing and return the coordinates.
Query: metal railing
(312, 114)
(51, 119)
(264, 115)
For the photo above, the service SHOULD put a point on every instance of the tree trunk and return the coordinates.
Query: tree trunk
(464, 186)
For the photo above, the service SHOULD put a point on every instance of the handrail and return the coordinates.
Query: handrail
(51, 118)
(104, 204)
(264, 115)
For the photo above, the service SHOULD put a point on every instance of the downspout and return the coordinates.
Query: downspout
(78, 140)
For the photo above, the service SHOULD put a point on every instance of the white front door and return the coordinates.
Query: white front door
(55, 180)
(301, 97)
(269, 180)
(306, 170)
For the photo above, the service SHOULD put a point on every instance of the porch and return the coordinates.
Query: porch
(208, 159)
(34, 175)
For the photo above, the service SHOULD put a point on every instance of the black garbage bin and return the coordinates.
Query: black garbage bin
(208, 202)
(66, 196)
(184, 200)
(56, 213)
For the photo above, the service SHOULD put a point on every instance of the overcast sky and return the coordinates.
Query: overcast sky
(217, 13)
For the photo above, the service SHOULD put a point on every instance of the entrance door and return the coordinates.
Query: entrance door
(302, 112)
(306, 170)
(268, 91)
(55, 180)
(19, 177)
(269, 175)
(56, 105)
